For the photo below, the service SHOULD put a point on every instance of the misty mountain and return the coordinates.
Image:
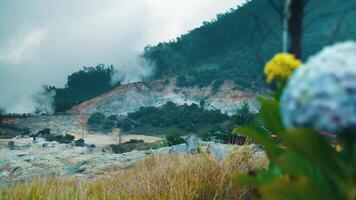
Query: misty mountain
(236, 45)
(233, 47)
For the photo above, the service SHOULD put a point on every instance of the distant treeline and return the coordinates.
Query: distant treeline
(182, 119)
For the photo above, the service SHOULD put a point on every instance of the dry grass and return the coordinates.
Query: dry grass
(167, 177)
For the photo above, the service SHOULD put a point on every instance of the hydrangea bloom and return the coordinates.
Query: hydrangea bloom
(322, 93)
(281, 66)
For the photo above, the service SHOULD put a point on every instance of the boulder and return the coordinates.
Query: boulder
(193, 144)
(216, 150)
(181, 148)
(39, 140)
(11, 145)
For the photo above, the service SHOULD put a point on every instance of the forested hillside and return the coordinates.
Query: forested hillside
(236, 44)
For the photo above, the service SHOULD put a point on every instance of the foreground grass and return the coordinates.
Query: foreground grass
(166, 177)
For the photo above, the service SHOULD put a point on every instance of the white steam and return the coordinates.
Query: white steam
(134, 69)
(44, 101)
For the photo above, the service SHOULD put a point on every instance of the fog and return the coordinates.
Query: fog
(42, 42)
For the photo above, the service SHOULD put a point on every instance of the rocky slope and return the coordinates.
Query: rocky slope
(130, 97)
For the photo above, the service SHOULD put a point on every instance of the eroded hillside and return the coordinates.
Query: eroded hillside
(130, 97)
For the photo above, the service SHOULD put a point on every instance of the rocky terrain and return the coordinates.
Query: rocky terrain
(130, 97)
(23, 158)
(26, 159)
(59, 124)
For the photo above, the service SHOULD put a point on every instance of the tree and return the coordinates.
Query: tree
(83, 85)
(295, 26)
(174, 139)
(244, 115)
(96, 118)
(299, 19)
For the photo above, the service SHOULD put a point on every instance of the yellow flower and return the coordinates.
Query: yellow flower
(281, 67)
(337, 147)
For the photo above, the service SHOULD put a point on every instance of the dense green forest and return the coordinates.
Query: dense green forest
(188, 118)
(83, 85)
(237, 44)
(172, 118)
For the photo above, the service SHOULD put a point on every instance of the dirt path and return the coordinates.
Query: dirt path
(103, 140)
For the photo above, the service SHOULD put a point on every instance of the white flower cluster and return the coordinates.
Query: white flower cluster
(321, 94)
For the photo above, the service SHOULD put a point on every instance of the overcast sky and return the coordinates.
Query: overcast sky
(43, 41)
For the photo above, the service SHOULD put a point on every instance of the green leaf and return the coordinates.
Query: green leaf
(316, 149)
(246, 180)
(262, 177)
(261, 136)
(295, 165)
(270, 114)
(300, 188)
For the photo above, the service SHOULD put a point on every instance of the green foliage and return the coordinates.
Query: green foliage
(112, 117)
(187, 118)
(66, 139)
(43, 133)
(208, 133)
(133, 145)
(98, 121)
(236, 45)
(83, 85)
(125, 124)
(47, 135)
(96, 118)
(216, 86)
(80, 142)
(303, 163)
(244, 115)
(91, 78)
(174, 139)
(109, 124)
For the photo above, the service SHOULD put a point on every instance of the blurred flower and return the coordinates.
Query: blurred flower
(337, 147)
(281, 67)
(322, 93)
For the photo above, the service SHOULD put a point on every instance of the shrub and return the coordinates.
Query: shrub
(183, 118)
(129, 146)
(43, 133)
(125, 124)
(66, 139)
(174, 139)
(112, 117)
(96, 118)
(134, 141)
(109, 125)
(216, 86)
(80, 143)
